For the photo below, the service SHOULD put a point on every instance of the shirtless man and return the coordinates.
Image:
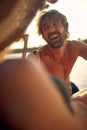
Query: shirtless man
(60, 54)
(29, 100)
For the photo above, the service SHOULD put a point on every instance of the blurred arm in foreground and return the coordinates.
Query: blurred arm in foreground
(28, 98)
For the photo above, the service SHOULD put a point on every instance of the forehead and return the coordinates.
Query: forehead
(49, 21)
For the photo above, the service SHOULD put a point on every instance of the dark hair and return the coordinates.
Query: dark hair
(52, 14)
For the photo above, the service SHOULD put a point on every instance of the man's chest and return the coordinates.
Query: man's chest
(60, 67)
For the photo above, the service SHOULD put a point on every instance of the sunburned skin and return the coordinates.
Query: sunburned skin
(59, 62)
(60, 54)
(29, 100)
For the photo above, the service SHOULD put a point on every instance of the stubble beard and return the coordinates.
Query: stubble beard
(57, 44)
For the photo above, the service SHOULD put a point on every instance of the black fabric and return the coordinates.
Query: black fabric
(3, 126)
(74, 87)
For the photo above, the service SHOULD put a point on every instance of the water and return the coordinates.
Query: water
(13, 56)
(78, 74)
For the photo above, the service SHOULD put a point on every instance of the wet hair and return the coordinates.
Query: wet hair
(52, 14)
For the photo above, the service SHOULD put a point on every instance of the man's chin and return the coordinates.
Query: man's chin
(58, 45)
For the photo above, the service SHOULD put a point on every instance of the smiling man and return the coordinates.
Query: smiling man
(60, 54)
(28, 98)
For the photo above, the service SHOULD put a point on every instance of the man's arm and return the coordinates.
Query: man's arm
(82, 49)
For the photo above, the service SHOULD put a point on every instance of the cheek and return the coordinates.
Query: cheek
(44, 35)
(62, 30)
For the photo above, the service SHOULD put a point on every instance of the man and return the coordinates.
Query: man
(60, 54)
(28, 98)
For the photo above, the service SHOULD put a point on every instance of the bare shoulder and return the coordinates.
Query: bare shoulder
(78, 48)
(43, 48)
(76, 42)
(73, 42)
(77, 45)
(44, 51)
(34, 52)
(40, 52)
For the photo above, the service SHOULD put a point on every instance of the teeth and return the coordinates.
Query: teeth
(54, 36)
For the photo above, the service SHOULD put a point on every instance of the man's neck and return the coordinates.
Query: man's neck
(58, 53)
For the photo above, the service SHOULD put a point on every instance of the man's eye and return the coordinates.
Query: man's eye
(45, 28)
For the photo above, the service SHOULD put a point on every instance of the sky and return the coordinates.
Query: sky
(76, 13)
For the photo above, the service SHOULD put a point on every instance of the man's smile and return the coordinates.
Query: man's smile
(54, 36)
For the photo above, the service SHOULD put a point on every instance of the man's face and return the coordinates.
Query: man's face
(53, 32)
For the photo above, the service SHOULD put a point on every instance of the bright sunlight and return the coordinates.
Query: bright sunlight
(76, 13)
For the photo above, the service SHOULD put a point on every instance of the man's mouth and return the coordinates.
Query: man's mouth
(54, 36)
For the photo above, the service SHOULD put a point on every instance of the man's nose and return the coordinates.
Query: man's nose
(52, 28)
